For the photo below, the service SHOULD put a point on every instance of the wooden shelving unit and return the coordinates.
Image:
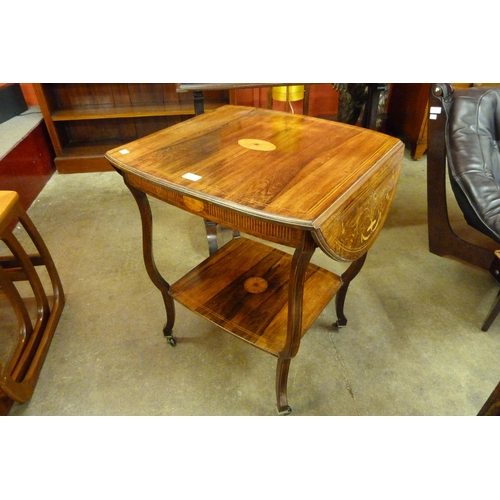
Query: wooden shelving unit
(85, 120)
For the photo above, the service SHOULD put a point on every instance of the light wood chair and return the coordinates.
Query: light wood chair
(36, 325)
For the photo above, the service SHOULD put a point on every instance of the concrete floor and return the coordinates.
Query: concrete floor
(413, 344)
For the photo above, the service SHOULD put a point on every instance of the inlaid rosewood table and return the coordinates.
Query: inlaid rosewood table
(289, 179)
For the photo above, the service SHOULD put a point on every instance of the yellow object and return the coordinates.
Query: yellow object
(295, 93)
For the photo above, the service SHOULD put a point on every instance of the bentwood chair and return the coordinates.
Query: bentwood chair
(37, 312)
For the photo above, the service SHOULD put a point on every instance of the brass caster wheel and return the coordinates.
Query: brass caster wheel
(171, 340)
(286, 411)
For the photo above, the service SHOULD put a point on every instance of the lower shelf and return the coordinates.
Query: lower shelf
(81, 164)
(85, 157)
(243, 288)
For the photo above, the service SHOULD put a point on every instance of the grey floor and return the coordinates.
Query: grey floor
(413, 344)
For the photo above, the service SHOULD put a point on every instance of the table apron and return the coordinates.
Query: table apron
(271, 231)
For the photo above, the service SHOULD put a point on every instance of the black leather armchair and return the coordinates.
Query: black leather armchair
(463, 134)
(474, 156)
(464, 130)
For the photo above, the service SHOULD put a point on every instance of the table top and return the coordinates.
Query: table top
(273, 166)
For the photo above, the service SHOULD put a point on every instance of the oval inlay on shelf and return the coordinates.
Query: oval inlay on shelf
(255, 285)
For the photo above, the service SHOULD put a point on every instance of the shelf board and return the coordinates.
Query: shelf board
(104, 113)
(89, 149)
(82, 164)
(84, 157)
(218, 290)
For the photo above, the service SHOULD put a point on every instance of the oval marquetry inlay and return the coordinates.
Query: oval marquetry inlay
(193, 204)
(257, 144)
(255, 285)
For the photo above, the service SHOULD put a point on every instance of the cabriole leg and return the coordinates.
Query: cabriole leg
(300, 262)
(351, 272)
(281, 386)
(147, 247)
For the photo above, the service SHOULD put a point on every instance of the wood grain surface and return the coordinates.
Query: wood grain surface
(322, 174)
(259, 317)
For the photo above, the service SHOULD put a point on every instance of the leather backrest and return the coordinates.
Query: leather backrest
(472, 137)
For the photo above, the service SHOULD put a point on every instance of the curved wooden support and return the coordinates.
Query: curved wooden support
(281, 386)
(18, 379)
(351, 272)
(492, 314)
(40, 349)
(491, 407)
(23, 319)
(300, 261)
(147, 248)
(42, 303)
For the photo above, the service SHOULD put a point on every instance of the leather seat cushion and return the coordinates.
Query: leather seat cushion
(472, 139)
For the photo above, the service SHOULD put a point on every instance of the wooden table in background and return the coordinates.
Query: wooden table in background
(290, 179)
